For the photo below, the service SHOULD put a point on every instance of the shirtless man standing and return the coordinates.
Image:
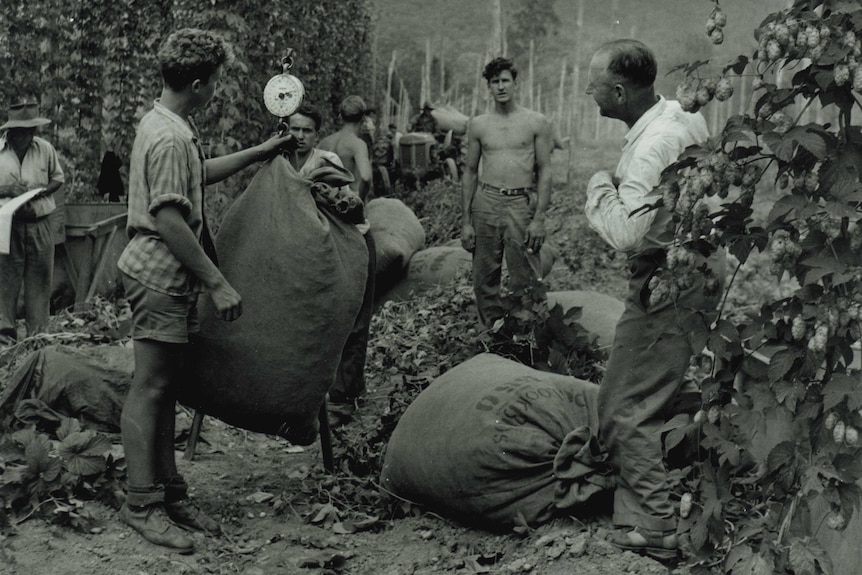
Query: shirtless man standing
(514, 144)
(347, 144)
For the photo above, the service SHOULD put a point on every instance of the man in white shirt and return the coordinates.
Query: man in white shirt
(651, 352)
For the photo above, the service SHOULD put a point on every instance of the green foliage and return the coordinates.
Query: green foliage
(437, 205)
(36, 470)
(94, 64)
(533, 20)
(798, 354)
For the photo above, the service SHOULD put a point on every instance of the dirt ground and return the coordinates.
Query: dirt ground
(264, 493)
(270, 498)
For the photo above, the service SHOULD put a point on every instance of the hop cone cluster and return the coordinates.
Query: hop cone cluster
(789, 38)
(695, 93)
(715, 25)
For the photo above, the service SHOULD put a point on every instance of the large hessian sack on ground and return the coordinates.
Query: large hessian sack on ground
(89, 383)
(301, 273)
(449, 118)
(492, 439)
(599, 315)
(398, 234)
(430, 267)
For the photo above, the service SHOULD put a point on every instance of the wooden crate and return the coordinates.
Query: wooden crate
(95, 238)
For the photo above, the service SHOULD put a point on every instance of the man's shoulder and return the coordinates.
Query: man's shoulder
(42, 143)
(328, 155)
(675, 121)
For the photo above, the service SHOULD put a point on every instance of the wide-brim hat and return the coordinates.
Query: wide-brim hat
(24, 115)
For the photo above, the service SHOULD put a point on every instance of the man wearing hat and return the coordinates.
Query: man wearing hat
(27, 162)
(424, 121)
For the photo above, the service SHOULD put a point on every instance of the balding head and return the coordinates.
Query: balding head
(630, 61)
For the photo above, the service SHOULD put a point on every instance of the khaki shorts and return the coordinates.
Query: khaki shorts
(158, 316)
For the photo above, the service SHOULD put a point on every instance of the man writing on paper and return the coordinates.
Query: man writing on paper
(27, 162)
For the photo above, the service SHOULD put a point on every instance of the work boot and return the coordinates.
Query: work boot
(186, 513)
(153, 524)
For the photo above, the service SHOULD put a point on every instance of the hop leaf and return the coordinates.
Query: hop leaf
(83, 452)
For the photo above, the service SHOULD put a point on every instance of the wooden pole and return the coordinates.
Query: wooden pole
(496, 27)
(444, 96)
(504, 41)
(531, 103)
(428, 61)
(476, 89)
(387, 106)
(561, 94)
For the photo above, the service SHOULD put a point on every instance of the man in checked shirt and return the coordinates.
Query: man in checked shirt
(165, 266)
(651, 351)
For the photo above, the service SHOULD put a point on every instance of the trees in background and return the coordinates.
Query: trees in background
(94, 64)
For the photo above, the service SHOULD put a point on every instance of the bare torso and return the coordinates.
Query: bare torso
(508, 147)
(343, 143)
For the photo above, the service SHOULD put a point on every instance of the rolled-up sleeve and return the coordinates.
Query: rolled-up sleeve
(168, 176)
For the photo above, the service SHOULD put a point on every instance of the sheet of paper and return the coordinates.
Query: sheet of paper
(10, 206)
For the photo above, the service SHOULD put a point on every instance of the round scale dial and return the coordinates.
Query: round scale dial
(283, 95)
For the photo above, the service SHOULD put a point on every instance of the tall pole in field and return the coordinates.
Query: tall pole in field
(496, 28)
(427, 70)
(530, 100)
(561, 94)
(387, 105)
(443, 97)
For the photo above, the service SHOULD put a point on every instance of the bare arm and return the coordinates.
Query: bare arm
(217, 169)
(362, 168)
(543, 145)
(468, 186)
(183, 244)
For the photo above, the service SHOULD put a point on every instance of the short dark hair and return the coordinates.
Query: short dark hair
(498, 65)
(352, 109)
(310, 111)
(192, 54)
(632, 61)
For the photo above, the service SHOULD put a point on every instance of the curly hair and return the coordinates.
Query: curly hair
(497, 65)
(632, 61)
(191, 54)
(311, 113)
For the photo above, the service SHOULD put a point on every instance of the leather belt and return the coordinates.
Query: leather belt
(508, 191)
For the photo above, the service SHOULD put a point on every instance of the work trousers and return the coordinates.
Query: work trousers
(644, 373)
(350, 377)
(31, 261)
(500, 223)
